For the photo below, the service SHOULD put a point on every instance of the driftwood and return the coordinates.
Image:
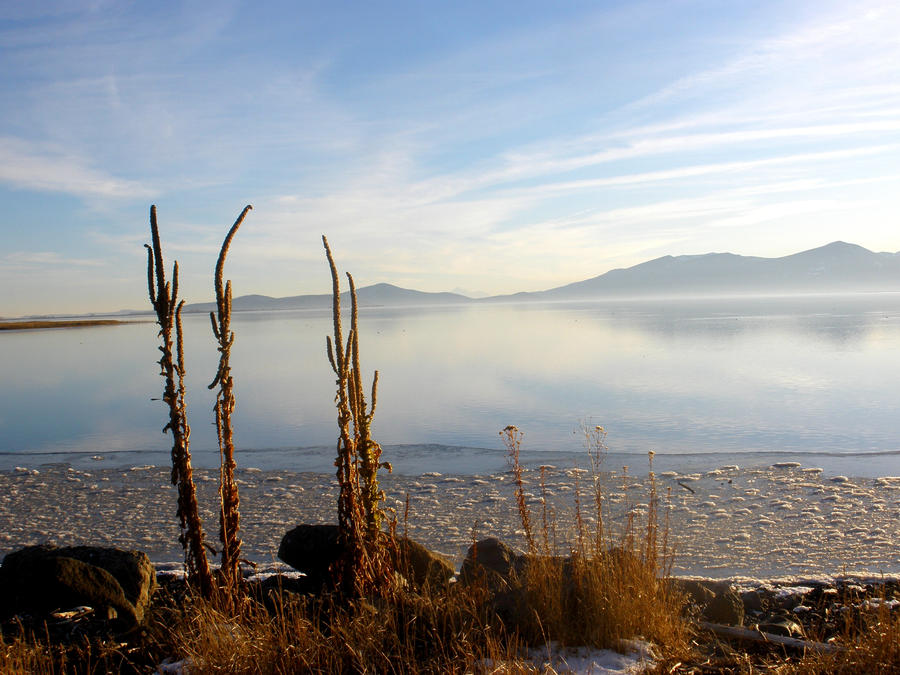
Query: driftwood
(687, 487)
(748, 634)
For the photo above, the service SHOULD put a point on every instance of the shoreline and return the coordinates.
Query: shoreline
(62, 323)
(782, 521)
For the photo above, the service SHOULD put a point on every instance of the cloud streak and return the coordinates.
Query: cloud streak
(42, 167)
(516, 154)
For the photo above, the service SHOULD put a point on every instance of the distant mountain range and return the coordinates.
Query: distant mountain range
(377, 295)
(838, 267)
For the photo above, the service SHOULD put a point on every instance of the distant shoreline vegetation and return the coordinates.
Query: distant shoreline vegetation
(37, 325)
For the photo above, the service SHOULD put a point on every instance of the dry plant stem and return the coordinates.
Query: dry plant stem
(597, 595)
(365, 562)
(229, 512)
(348, 507)
(512, 438)
(164, 299)
(368, 450)
(595, 441)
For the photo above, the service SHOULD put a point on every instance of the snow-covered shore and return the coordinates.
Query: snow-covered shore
(780, 521)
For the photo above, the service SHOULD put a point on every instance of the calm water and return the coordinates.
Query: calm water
(701, 383)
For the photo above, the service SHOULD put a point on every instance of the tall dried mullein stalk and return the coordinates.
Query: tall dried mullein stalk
(366, 562)
(229, 512)
(164, 298)
(512, 439)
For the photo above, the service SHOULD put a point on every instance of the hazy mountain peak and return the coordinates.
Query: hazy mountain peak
(833, 268)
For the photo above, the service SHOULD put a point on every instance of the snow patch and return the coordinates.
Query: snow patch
(638, 656)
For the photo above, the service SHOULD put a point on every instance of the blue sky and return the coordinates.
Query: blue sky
(483, 147)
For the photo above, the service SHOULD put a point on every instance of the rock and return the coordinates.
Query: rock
(697, 592)
(755, 601)
(277, 592)
(493, 561)
(132, 570)
(718, 602)
(421, 566)
(313, 549)
(727, 607)
(48, 583)
(780, 625)
(505, 573)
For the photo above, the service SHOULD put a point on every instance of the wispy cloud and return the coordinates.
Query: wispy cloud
(530, 152)
(39, 166)
(33, 259)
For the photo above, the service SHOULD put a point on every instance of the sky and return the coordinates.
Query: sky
(478, 147)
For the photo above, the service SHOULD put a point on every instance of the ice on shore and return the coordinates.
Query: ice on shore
(762, 523)
(638, 656)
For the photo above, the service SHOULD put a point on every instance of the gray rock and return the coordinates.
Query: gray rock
(132, 570)
(727, 607)
(493, 561)
(697, 592)
(313, 550)
(781, 625)
(50, 583)
(421, 566)
(755, 601)
(717, 602)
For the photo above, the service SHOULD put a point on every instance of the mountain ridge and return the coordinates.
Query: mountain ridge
(833, 268)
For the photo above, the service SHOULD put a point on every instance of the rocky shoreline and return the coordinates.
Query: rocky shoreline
(75, 594)
(759, 523)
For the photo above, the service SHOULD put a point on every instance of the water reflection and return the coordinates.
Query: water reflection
(764, 375)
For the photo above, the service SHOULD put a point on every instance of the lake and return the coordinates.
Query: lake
(702, 383)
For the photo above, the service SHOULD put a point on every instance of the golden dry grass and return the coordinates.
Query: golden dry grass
(870, 646)
(611, 583)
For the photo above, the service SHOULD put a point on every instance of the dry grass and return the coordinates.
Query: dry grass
(21, 655)
(605, 586)
(870, 646)
(38, 655)
(440, 633)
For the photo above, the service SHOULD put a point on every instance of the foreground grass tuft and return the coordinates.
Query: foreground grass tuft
(603, 586)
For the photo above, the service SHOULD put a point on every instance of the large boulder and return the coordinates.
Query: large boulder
(421, 566)
(716, 601)
(727, 607)
(51, 584)
(43, 578)
(313, 550)
(492, 561)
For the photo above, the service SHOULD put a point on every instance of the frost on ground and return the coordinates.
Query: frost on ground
(637, 657)
(760, 522)
(170, 667)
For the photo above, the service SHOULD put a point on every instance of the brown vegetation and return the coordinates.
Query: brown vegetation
(604, 587)
(164, 298)
(365, 565)
(229, 513)
(610, 582)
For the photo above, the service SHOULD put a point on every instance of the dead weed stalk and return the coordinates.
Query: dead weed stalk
(366, 563)
(229, 512)
(164, 298)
